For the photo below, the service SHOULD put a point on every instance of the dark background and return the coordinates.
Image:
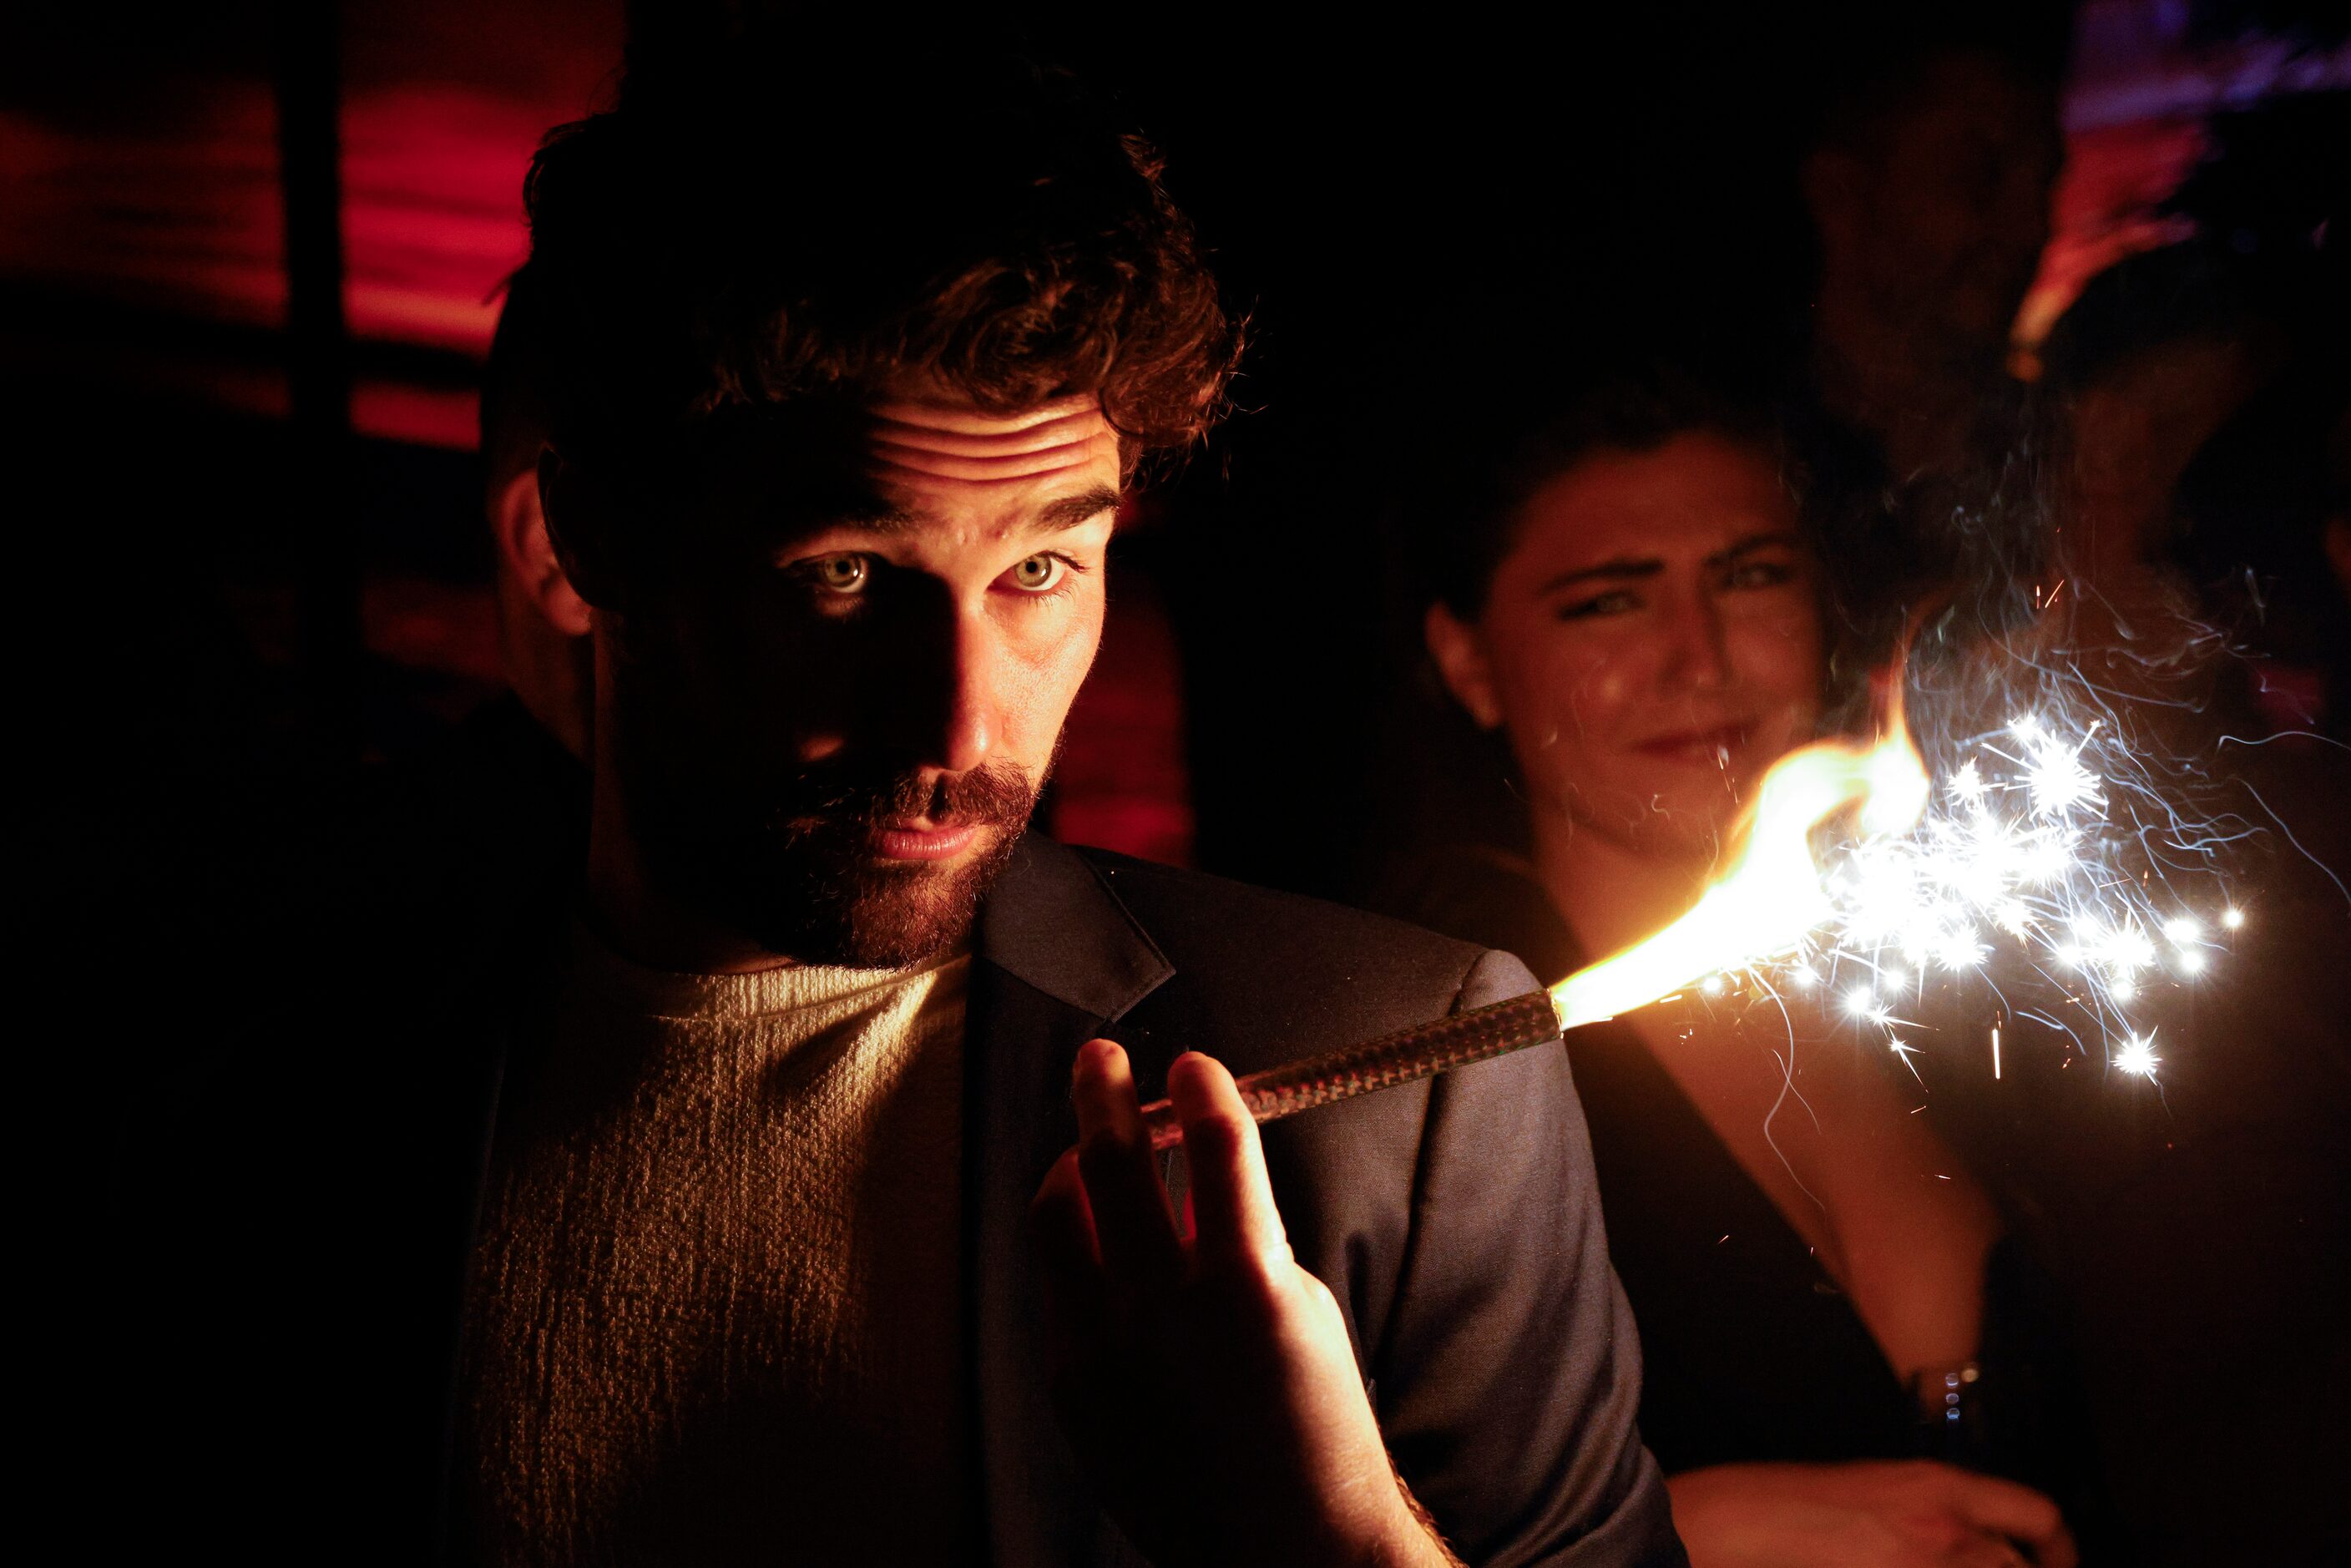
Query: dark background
(1424, 222)
(250, 575)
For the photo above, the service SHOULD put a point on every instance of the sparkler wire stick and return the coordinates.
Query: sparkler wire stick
(1421, 1051)
(1766, 902)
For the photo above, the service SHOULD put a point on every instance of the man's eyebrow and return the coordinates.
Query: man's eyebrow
(879, 517)
(1071, 511)
(876, 517)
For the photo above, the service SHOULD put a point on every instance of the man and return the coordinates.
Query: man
(1928, 187)
(542, 623)
(692, 1212)
(1925, 181)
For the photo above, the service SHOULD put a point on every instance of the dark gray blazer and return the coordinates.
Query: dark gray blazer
(301, 1207)
(1455, 1220)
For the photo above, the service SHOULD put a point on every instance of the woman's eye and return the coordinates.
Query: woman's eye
(1763, 574)
(1615, 603)
(1038, 573)
(841, 573)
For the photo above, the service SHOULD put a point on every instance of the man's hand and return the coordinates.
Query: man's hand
(1206, 1379)
(1912, 1513)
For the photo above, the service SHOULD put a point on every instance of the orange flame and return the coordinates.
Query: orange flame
(1770, 896)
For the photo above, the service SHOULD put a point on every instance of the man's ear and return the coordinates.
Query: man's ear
(1460, 655)
(575, 519)
(528, 554)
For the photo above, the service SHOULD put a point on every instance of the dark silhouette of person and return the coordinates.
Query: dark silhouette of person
(682, 1208)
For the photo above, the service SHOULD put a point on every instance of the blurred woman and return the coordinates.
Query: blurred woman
(1636, 613)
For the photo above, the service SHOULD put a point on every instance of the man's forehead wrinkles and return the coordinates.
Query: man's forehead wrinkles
(890, 460)
(894, 461)
(964, 419)
(958, 442)
(996, 440)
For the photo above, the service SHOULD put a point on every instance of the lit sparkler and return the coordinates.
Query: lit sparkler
(2007, 856)
(2013, 857)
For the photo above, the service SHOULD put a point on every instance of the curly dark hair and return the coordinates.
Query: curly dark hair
(750, 237)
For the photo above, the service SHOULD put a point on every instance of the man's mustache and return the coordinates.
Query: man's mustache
(997, 794)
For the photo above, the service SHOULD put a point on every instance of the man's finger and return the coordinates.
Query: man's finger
(1062, 1241)
(1233, 1217)
(1981, 1551)
(1061, 1231)
(1132, 1226)
(2018, 1513)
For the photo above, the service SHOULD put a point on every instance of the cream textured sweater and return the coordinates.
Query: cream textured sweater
(714, 1314)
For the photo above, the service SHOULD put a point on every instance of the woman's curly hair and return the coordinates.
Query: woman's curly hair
(748, 237)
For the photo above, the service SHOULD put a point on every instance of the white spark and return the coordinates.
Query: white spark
(1905, 1050)
(1960, 950)
(2137, 1055)
(2013, 858)
(2057, 779)
(2129, 949)
(2044, 856)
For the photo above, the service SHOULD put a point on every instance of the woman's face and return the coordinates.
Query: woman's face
(1650, 644)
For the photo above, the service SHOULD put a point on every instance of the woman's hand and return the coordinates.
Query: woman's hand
(1206, 1380)
(1912, 1513)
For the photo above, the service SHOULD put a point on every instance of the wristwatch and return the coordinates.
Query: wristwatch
(1952, 1423)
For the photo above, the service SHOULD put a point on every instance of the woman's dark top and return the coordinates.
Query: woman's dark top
(1749, 1351)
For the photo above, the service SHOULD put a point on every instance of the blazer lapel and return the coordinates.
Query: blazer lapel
(1060, 960)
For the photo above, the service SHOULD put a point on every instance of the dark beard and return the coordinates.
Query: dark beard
(802, 879)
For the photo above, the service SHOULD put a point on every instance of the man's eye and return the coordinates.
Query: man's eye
(1040, 573)
(841, 573)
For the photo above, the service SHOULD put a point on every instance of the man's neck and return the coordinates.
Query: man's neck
(1868, 372)
(1610, 894)
(639, 919)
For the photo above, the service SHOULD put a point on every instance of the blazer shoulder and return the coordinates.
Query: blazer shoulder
(1286, 958)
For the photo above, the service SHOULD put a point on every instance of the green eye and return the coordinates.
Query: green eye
(1763, 574)
(1038, 573)
(842, 573)
(1617, 604)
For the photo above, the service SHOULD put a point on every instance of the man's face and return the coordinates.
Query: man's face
(829, 728)
(1938, 225)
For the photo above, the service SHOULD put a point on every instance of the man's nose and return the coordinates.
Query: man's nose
(955, 690)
